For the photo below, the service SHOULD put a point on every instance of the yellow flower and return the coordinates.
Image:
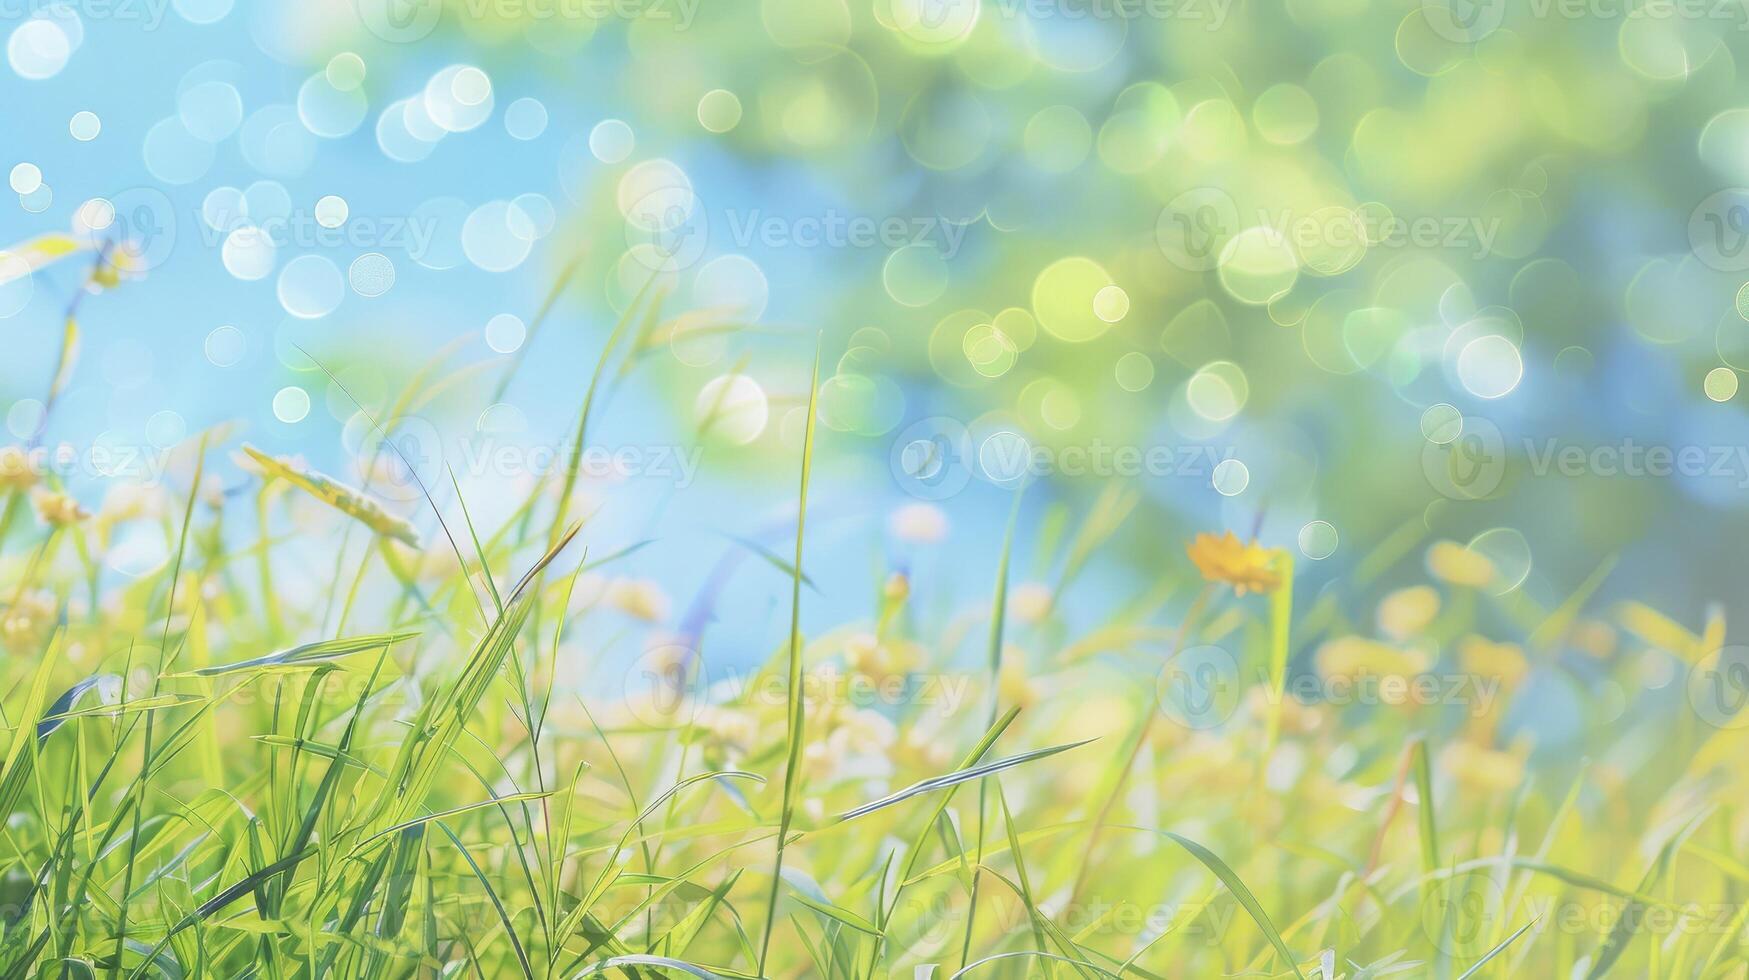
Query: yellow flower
(897, 588)
(730, 729)
(25, 624)
(1297, 717)
(1406, 612)
(638, 598)
(15, 469)
(1454, 563)
(131, 501)
(1594, 637)
(1014, 685)
(870, 657)
(1357, 656)
(58, 509)
(1030, 602)
(1485, 658)
(1224, 558)
(1477, 767)
(918, 523)
(347, 500)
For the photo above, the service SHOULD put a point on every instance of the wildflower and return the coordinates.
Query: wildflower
(866, 731)
(668, 657)
(15, 469)
(132, 501)
(859, 743)
(57, 509)
(897, 588)
(1297, 717)
(1477, 767)
(1013, 684)
(638, 598)
(1224, 558)
(1357, 656)
(1406, 612)
(918, 523)
(26, 623)
(730, 729)
(339, 496)
(117, 264)
(868, 656)
(1594, 637)
(1030, 602)
(1454, 563)
(924, 746)
(1485, 658)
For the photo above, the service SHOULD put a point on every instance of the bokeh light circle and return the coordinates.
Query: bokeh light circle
(1065, 299)
(225, 346)
(1720, 384)
(732, 407)
(1231, 477)
(310, 286)
(1318, 540)
(371, 274)
(505, 333)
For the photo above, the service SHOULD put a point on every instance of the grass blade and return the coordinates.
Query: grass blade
(796, 720)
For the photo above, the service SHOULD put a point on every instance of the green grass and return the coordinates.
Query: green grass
(389, 781)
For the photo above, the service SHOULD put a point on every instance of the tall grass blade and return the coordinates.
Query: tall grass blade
(796, 721)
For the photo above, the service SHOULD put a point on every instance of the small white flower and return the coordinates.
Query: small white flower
(918, 523)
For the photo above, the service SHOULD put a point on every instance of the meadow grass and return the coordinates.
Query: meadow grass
(204, 777)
